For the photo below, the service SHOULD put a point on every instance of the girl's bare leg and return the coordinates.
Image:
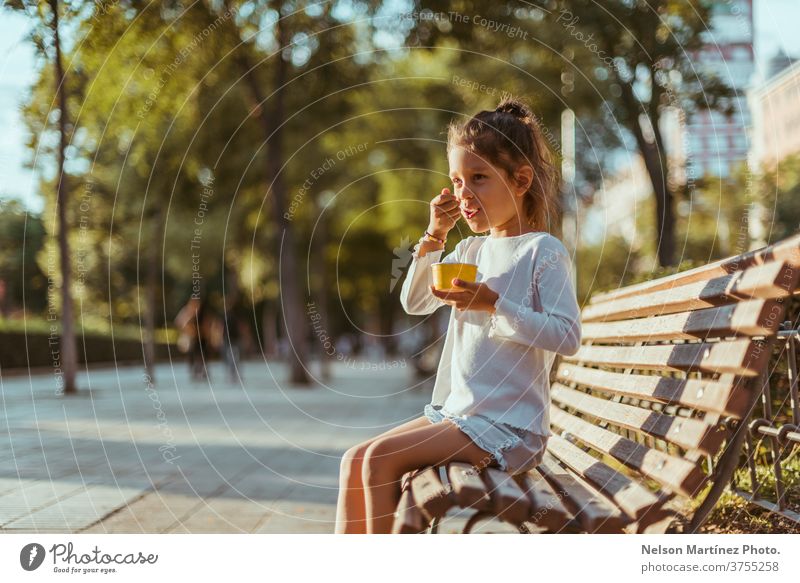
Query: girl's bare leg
(350, 508)
(388, 458)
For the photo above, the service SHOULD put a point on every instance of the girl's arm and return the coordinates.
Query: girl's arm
(415, 295)
(557, 327)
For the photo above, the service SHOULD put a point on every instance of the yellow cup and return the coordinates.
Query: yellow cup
(443, 274)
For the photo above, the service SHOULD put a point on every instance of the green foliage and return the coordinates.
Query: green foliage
(604, 267)
(162, 114)
(90, 326)
(779, 189)
(21, 238)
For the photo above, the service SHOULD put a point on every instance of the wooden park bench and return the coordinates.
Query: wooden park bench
(648, 415)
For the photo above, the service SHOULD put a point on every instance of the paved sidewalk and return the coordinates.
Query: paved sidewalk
(191, 457)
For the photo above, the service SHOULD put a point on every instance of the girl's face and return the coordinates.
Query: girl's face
(490, 199)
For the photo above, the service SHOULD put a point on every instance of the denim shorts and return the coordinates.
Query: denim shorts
(516, 450)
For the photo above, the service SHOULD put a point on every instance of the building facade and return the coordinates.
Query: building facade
(776, 118)
(718, 143)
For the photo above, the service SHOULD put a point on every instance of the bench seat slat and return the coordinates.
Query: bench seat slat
(547, 510)
(594, 512)
(786, 250)
(675, 473)
(691, 434)
(509, 502)
(726, 396)
(632, 497)
(408, 518)
(738, 357)
(430, 495)
(468, 488)
(747, 318)
(772, 280)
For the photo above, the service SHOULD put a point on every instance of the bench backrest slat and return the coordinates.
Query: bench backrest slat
(676, 473)
(786, 250)
(685, 432)
(719, 396)
(740, 357)
(746, 318)
(772, 280)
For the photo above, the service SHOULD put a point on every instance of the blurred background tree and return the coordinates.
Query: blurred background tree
(47, 20)
(289, 151)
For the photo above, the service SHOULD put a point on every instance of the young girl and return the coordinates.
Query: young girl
(491, 395)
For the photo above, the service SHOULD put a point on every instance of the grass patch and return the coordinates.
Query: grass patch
(735, 515)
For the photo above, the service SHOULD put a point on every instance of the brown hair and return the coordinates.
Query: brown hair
(508, 137)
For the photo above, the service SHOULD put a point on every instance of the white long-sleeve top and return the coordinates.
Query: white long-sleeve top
(498, 364)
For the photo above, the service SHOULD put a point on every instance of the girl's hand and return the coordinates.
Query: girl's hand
(476, 296)
(444, 213)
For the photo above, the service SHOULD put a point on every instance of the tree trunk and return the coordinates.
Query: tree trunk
(386, 315)
(269, 322)
(288, 265)
(321, 291)
(68, 355)
(656, 165)
(151, 284)
(288, 271)
(665, 213)
(665, 218)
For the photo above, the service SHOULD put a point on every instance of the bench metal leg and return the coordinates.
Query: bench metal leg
(730, 459)
(725, 469)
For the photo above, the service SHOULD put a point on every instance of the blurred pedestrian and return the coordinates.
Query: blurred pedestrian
(230, 341)
(193, 323)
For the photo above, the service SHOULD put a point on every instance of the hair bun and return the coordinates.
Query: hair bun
(514, 107)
